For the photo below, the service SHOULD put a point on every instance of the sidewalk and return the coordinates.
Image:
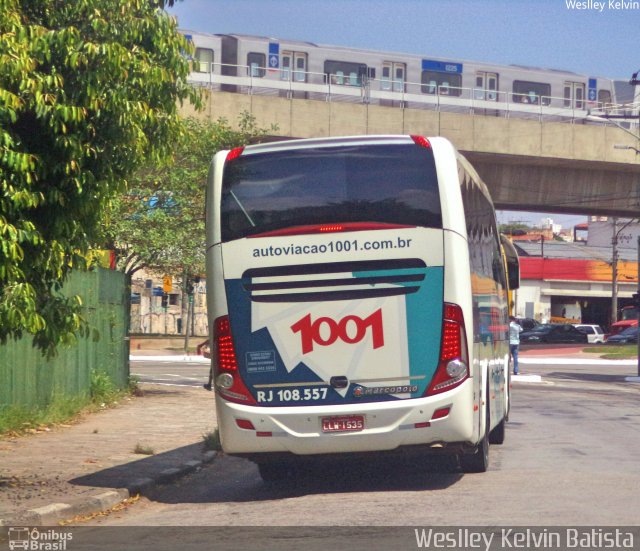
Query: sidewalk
(91, 465)
(570, 365)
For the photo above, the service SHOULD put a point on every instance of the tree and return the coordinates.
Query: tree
(158, 223)
(514, 228)
(88, 91)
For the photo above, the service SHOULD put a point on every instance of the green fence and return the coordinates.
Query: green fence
(29, 379)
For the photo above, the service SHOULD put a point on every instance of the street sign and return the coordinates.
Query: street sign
(274, 55)
(593, 85)
(167, 284)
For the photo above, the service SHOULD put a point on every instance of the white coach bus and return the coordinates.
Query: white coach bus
(357, 301)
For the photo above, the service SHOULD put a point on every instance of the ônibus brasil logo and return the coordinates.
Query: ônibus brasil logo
(325, 331)
(34, 539)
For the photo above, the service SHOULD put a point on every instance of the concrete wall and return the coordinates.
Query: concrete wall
(527, 164)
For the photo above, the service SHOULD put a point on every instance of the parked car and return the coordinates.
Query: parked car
(553, 333)
(595, 334)
(626, 336)
(527, 324)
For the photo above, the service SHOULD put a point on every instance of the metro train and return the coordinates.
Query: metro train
(261, 65)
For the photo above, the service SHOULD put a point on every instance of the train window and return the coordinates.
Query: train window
(203, 60)
(443, 83)
(492, 86)
(478, 92)
(531, 92)
(604, 98)
(336, 71)
(398, 80)
(580, 96)
(385, 82)
(285, 66)
(300, 74)
(256, 62)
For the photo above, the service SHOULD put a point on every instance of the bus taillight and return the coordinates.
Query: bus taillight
(453, 366)
(234, 154)
(227, 379)
(421, 141)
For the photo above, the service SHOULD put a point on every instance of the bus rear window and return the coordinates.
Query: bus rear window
(394, 184)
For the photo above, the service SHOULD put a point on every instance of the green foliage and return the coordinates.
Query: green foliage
(102, 389)
(88, 91)
(18, 419)
(614, 351)
(134, 386)
(211, 441)
(159, 221)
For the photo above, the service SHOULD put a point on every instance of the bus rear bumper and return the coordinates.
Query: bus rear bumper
(435, 422)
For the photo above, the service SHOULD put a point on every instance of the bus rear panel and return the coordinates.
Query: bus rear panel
(340, 319)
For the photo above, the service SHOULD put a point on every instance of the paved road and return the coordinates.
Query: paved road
(568, 368)
(570, 458)
(173, 374)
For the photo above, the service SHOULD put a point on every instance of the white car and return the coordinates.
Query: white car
(595, 334)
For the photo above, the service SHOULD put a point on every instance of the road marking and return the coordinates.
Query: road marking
(573, 361)
(170, 384)
(526, 379)
(182, 377)
(172, 359)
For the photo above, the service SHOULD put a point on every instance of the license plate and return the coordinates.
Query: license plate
(344, 423)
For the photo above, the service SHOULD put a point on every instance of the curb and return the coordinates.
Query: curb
(54, 513)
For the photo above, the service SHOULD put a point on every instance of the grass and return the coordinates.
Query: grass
(22, 419)
(211, 440)
(141, 449)
(102, 389)
(615, 351)
(18, 419)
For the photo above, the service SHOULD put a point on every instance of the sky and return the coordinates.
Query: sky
(591, 37)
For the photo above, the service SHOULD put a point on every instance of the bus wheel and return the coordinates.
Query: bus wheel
(275, 472)
(478, 462)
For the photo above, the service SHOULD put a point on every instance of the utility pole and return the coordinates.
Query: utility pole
(188, 326)
(636, 298)
(614, 267)
(614, 274)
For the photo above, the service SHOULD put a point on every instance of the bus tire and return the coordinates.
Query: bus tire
(498, 433)
(508, 393)
(478, 462)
